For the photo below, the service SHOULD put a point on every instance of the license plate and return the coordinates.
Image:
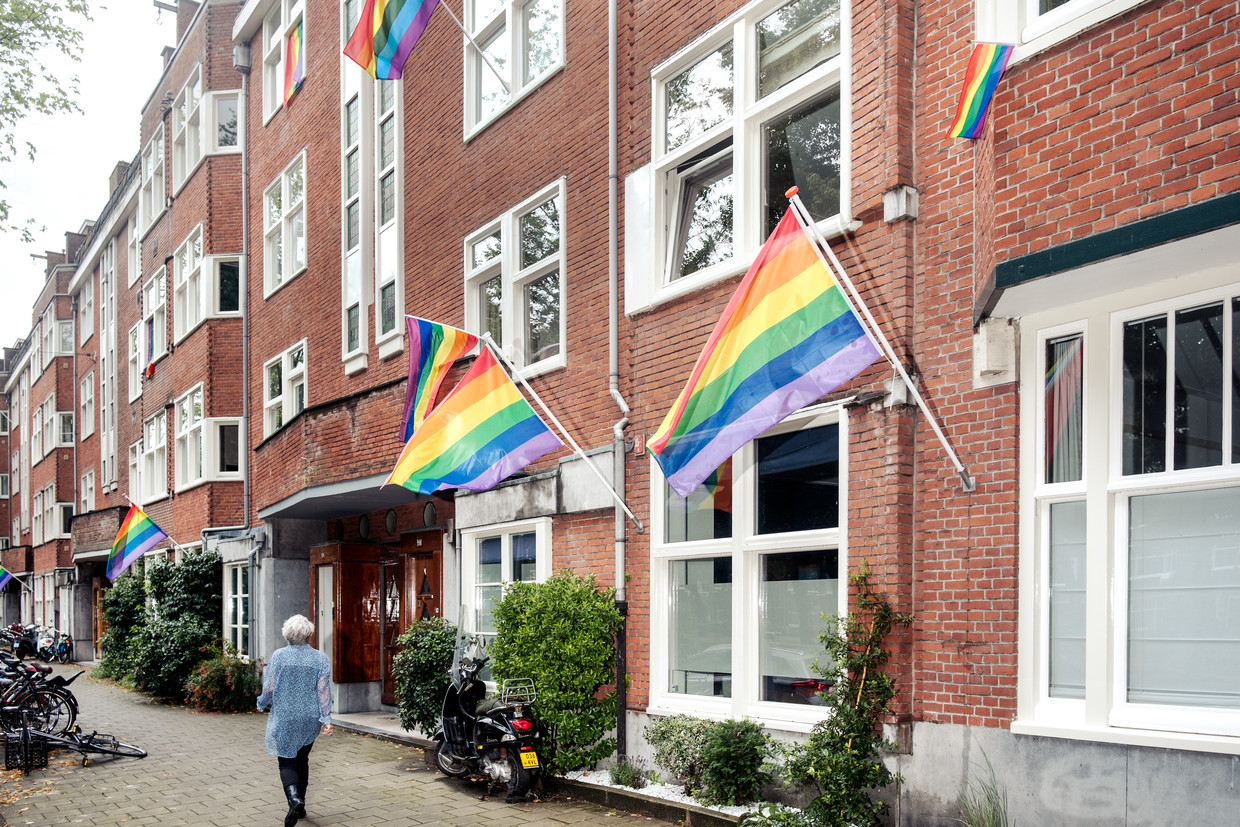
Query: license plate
(529, 759)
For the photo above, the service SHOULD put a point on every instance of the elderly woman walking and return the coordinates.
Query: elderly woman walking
(297, 690)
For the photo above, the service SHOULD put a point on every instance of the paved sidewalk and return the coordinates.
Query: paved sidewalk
(213, 770)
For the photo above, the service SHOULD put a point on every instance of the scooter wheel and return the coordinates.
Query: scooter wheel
(449, 764)
(520, 781)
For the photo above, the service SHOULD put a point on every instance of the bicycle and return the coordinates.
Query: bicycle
(26, 748)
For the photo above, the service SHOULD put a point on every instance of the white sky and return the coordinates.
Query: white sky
(68, 182)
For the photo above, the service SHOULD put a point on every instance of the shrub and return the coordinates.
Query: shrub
(774, 815)
(167, 652)
(732, 762)
(630, 772)
(561, 633)
(421, 672)
(841, 756)
(222, 683)
(124, 610)
(678, 742)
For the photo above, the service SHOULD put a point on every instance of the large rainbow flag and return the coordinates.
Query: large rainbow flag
(433, 347)
(482, 432)
(787, 337)
(137, 536)
(386, 33)
(5, 577)
(986, 66)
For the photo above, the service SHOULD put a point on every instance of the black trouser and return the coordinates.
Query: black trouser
(296, 770)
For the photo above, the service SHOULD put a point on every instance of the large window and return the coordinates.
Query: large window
(189, 427)
(187, 129)
(284, 220)
(154, 320)
(495, 556)
(356, 187)
(86, 303)
(152, 194)
(1038, 24)
(284, 388)
(189, 296)
(281, 23)
(237, 607)
(749, 110)
(744, 569)
(389, 179)
(514, 277)
(108, 470)
(524, 40)
(88, 491)
(154, 473)
(134, 362)
(1132, 464)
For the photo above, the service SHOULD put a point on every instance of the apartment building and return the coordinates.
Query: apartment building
(1061, 289)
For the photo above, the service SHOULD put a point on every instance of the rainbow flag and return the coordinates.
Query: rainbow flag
(985, 68)
(433, 348)
(787, 337)
(482, 432)
(137, 536)
(5, 577)
(386, 33)
(295, 62)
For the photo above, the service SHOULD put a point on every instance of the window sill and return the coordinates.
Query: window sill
(355, 364)
(267, 295)
(201, 481)
(1130, 737)
(522, 94)
(393, 345)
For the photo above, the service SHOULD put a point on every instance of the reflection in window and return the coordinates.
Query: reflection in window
(541, 19)
(494, 96)
(803, 150)
(799, 480)
(1145, 396)
(540, 232)
(492, 309)
(1199, 392)
(699, 98)
(794, 39)
(542, 305)
(704, 217)
(797, 588)
(1065, 359)
(700, 621)
(706, 514)
(1067, 600)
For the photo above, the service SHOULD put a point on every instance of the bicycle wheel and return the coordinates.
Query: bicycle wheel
(108, 745)
(49, 711)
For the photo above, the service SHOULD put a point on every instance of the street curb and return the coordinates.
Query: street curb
(384, 735)
(634, 802)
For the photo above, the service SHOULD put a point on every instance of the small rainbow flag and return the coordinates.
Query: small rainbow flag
(386, 33)
(5, 577)
(787, 337)
(433, 347)
(985, 68)
(483, 432)
(295, 62)
(137, 536)
(149, 373)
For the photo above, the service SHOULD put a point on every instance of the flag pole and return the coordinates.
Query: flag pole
(808, 225)
(167, 536)
(490, 344)
(19, 581)
(485, 57)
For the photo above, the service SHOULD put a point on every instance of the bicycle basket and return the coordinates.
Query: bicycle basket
(518, 691)
(20, 754)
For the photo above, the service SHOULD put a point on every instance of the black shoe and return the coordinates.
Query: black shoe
(296, 807)
(301, 793)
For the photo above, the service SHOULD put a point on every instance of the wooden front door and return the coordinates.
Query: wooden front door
(424, 574)
(99, 622)
(393, 620)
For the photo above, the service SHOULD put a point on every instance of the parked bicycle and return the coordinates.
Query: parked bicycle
(27, 690)
(26, 747)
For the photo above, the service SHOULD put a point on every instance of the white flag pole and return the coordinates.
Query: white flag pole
(20, 582)
(167, 536)
(486, 58)
(808, 225)
(512, 370)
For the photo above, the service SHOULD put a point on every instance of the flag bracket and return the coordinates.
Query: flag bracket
(486, 339)
(968, 483)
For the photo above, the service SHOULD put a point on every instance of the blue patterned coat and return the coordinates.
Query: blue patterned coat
(297, 690)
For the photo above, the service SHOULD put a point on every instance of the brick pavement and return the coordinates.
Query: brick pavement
(213, 771)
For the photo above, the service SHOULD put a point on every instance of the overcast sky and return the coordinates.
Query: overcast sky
(68, 182)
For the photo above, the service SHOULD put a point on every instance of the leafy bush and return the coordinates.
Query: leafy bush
(630, 771)
(841, 756)
(124, 610)
(678, 742)
(561, 633)
(222, 683)
(421, 672)
(774, 815)
(168, 651)
(732, 762)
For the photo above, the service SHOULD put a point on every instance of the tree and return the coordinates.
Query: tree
(27, 30)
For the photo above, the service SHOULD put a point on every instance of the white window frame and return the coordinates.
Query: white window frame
(746, 548)
(211, 118)
(508, 19)
(284, 16)
(65, 430)
(4, 422)
(358, 258)
(86, 406)
(64, 514)
(134, 249)
(36, 522)
(213, 445)
(389, 226)
(653, 193)
(470, 540)
(212, 266)
(4, 485)
(86, 304)
(189, 461)
(189, 289)
(48, 338)
(109, 469)
(187, 133)
(154, 319)
(282, 267)
(1104, 714)
(154, 444)
(234, 598)
(1021, 22)
(279, 409)
(152, 197)
(36, 433)
(135, 469)
(515, 279)
(135, 362)
(5, 543)
(88, 491)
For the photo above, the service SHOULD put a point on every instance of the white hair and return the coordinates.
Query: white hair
(297, 630)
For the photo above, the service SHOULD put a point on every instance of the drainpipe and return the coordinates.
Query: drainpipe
(613, 381)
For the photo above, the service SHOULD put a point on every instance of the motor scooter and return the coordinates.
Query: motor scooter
(27, 642)
(496, 736)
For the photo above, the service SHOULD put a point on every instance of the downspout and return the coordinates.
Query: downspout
(613, 379)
